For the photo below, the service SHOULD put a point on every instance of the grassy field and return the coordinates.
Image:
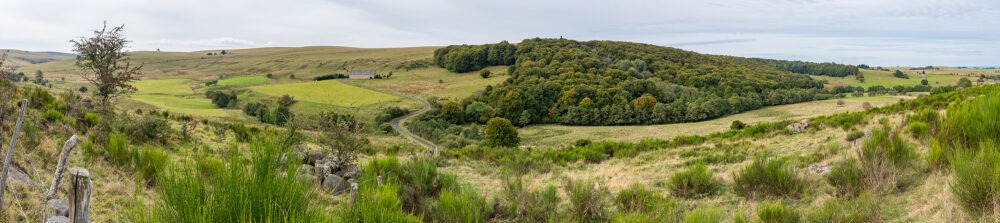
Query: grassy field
(437, 82)
(243, 81)
(327, 92)
(557, 135)
(942, 77)
(175, 95)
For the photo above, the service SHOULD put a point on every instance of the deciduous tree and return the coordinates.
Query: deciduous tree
(501, 133)
(106, 64)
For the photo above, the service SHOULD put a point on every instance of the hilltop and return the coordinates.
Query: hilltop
(20, 58)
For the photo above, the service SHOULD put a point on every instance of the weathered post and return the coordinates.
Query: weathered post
(61, 166)
(354, 192)
(10, 150)
(79, 195)
(56, 208)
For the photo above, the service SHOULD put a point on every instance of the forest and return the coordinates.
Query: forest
(621, 83)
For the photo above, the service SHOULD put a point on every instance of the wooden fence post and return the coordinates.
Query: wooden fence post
(61, 166)
(79, 195)
(354, 192)
(10, 150)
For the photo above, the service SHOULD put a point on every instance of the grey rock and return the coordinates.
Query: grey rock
(17, 177)
(58, 207)
(313, 158)
(57, 219)
(332, 182)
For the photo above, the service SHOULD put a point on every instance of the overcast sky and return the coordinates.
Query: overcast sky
(878, 32)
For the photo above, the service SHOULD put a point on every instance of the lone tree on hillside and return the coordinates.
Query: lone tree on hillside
(501, 133)
(106, 64)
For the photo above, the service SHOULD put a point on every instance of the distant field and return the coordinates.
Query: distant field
(555, 135)
(175, 95)
(424, 82)
(885, 78)
(243, 81)
(329, 92)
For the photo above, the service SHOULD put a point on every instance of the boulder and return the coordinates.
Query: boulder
(334, 183)
(313, 158)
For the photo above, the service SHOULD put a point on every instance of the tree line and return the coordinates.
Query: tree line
(465, 58)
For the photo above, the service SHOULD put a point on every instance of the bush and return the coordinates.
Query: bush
(376, 204)
(522, 205)
(501, 133)
(977, 178)
(737, 125)
(150, 163)
(777, 213)
(918, 129)
(938, 155)
(704, 215)
(587, 202)
(886, 158)
(969, 123)
(636, 198)
(54, 116)
(330, 77)
(847, 178)
(862, 209)
(694, 182)
(768, 178)
(91, 118)
(118, 151)
(150, 130)
(465, 206)
(854, 135)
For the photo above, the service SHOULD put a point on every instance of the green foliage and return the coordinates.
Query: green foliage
(376, 204)
(970, 122)
(777, 213)
(479, 112)
(522, 205)
(721, 153)
(464, 206)
(737, 125)
(467, 58)
(847, 178)
(501, 133)
(704, 215)
(484, 73)
(390, 113)
(918, 129)
(976, 184)
(938, 155)
(694, 182)
(118, 151)
(255, 183)
(768, 178)
(91, 118)
(886, 145)
(53, 115)
(587, 201)
(149, 129)
(854, 135)
(964, 83)
(150, 163)
(636, 198)
(222, 99)
(452, 112)
(862, 209)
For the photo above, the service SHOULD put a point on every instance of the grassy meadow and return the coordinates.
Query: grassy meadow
(943, 77)
(329, 92)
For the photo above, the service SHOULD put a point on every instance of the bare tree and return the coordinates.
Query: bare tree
(106, 64)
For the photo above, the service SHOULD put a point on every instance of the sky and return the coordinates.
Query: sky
(874, 32)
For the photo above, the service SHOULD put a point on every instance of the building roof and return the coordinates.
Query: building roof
(362, 72)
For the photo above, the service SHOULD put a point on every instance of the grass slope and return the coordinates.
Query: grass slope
(327, 92)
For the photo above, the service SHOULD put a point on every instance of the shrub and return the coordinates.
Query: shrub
(854, 135)
(465, 206)
(938, 155)
(847, 178)
(377, 204)
(501, 133)
(54, 115)
(862, 209)
(150, 129)
(150, 163)
(704, 215)
(737, 125)
(768, 178)
(694, 182)
(977, 178)
(118, 151)
(777, 213)
(636, 198)
(91, 118)
(970, 122)
(918, 129)
(529, 206)
(886, 158)
(587, 201)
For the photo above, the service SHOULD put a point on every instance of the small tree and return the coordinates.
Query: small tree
(964, 83)
(737, 125)
(223, 52)
(924, 82)
(39, 76)
(105, 63)
(484, 73)
(501, 133)
(286, 100)
(83, 89)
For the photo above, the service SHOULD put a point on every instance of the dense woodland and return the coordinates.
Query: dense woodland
(621, 83)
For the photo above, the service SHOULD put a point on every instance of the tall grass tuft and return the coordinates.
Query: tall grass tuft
(861, 209)
(768, 178)
(376, 204)
(694, 182)
(976, 184)
(522, 205)
(778, 213)
(886, 159)
(970, 122)
(462, 206)
(847, 178)
(118, 151)
(938, 155)
(636, 203)
(151, 163)
(248, 189)
(704, 215)
(587, 200)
